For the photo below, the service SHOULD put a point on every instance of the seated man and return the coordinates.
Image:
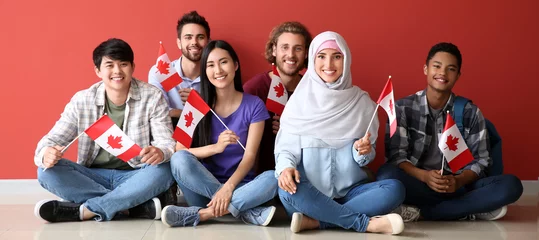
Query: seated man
(100, 185)
(413, 156)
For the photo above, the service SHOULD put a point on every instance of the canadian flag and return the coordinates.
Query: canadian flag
(454, 147)
(277, 95)
(387, 102)
(111, 138)
(194, 110)
(165, 74)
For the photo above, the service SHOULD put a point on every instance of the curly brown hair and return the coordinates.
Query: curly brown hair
(286, 27)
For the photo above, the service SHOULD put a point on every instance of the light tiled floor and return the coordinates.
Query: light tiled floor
(17, 222)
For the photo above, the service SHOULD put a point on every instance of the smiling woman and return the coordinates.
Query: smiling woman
(218, 185)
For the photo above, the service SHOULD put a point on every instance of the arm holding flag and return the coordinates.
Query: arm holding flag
(48, 150)
(364, 149)
(226, 138)
(397, 153)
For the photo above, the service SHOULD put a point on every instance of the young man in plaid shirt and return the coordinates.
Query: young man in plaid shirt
(100, 185)
(413, 156)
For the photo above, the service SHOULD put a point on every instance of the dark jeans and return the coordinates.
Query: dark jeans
(484, 195)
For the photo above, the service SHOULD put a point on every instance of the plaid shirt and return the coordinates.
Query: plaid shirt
(146, 119)
(414, 132)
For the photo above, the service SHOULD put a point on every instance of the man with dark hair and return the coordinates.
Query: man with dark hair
(287, 49)
(100, 185)
(414, 158)
(193, 34)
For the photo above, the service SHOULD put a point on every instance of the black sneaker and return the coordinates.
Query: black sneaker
(169, 197)
(150, 209)
(56, 211)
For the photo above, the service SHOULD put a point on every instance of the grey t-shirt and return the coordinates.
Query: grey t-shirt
(433, 159)
(104, 159)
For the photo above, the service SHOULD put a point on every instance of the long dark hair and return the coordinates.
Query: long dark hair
(202, 136)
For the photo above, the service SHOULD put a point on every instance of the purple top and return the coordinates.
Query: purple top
(223, 165)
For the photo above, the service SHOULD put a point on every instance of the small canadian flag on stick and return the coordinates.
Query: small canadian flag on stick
(453, 146)
(277, 94)
(194, 110)
(164, 72)
(387, 102)
(112, 139)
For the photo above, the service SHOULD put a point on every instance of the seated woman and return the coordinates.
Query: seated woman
(216, 175)
(318, 153)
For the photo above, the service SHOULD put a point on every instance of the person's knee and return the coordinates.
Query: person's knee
(182, 162)
(394, 191)
(388, 171)
(513, 186)
(50, 173)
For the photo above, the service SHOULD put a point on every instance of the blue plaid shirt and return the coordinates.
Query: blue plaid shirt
(414, 132)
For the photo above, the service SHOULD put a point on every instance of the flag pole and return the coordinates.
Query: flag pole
(67, 146)
(372, 118)
(442, 170)
(370, 123)
(226, 127)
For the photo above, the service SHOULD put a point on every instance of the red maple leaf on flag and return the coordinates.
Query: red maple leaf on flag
(391, 106)
(279, 90)
(162, 67)
(188, 119)
(114, 142)
(452, 142)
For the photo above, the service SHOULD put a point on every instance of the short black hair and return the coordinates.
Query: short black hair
(192, 17)
(115, 49)
(448, 48)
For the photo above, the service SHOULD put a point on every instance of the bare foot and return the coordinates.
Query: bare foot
(301, 222)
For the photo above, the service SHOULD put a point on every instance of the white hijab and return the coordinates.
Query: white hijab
(336, 113)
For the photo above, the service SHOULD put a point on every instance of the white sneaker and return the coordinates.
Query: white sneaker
(492, 215)
(407, 212)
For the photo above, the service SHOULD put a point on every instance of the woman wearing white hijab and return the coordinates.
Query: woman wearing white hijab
(319, 155)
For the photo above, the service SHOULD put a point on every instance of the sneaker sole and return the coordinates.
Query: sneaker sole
(37, 207)
(163, 216)
(501, 214)
(158, 210)
(270, 216)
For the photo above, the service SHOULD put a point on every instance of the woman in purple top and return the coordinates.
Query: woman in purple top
(216, 174)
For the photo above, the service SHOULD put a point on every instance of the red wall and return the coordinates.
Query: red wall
(46, 49)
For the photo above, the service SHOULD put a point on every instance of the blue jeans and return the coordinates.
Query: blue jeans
(199, 185)
(352, 211)
(484, 195)
(105, 192)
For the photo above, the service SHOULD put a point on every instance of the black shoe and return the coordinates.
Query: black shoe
(170, 196)
(56, 211)
(150, 209)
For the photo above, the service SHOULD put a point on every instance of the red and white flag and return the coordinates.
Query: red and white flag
(387, 102)
(194, 110)
(454, 147)
(277, 95)
(164, 72)
(112, 139)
